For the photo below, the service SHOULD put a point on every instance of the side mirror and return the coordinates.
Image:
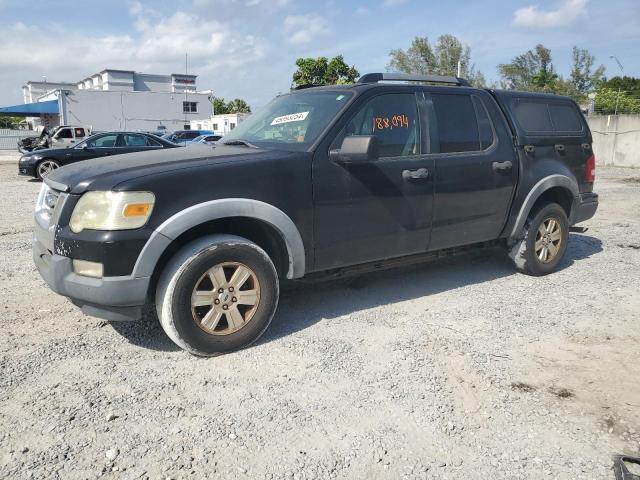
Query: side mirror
(356, 149)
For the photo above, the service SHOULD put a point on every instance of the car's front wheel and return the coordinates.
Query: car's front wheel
(217, 294)
(46, 166)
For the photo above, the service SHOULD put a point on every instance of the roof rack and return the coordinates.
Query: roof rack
(409, 77)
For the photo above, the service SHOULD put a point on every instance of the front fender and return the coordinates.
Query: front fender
(201, 213)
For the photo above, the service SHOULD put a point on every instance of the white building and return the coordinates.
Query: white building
(115, 100)
(219, 124)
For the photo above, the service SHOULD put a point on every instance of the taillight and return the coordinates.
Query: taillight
(590, 169)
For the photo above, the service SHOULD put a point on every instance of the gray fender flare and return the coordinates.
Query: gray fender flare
(195, 215)
(538, 189)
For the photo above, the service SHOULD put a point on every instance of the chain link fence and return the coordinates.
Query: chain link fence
(9, 138)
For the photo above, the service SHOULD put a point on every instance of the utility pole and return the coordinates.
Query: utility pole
(620, 87)
(615, 134)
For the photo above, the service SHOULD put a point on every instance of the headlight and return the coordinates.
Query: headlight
(31, 157)
(111, 211)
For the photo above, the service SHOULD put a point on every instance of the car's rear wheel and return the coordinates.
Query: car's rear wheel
(46, 166)
(544, 244)
(217, 294)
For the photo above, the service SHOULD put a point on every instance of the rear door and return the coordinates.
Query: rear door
(475, 167)
(79, 134)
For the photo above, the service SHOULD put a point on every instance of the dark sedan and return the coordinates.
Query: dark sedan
(40, 162)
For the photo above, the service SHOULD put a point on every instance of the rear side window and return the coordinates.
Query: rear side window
(131, 140)
(565, 118)
(457, 123)
(545, 117)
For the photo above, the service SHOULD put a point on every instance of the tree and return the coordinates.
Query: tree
(442, 59)
(609, 101)
(583, 78)
(10, 122)
(322, 71)
(626, 84)
(220, 106)
(236, 105)
(531, 71)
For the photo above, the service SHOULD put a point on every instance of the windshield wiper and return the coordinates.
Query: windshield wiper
(240, 142)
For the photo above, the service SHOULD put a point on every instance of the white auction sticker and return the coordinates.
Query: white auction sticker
(293, 117)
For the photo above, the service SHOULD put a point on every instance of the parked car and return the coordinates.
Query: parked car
(182, 137)
(40, 163)
(60, 137)
(209, 139)
(323, 181)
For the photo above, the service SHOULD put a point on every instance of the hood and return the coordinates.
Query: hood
(107, 172)
(45, 151)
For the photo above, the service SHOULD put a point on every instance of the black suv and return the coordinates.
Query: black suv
(323, 179)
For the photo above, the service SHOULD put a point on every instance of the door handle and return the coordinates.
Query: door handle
(502, 167)
(419, 174)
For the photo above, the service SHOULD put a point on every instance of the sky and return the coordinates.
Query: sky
(247, 48)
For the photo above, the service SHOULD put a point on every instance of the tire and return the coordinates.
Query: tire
(206, 330)
(523, 253)
(46, 166)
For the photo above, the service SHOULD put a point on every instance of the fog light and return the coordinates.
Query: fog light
(88, 269)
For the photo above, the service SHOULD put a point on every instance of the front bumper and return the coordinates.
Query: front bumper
(585, 207)
(27, 170)
(111, 298)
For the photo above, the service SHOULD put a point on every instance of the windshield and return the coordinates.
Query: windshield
(291, 122)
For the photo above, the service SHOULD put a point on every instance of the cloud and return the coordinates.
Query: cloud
(566, 14)
(302, 29)
(155, 43)
(393, 3)
(362, 12)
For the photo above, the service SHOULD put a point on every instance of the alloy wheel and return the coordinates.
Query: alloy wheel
(548, 240)
(225, 298)
(46, 167)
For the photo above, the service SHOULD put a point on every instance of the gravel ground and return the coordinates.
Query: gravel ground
(458, 369)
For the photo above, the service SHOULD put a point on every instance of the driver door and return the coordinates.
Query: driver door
(379, 209)
(96, 146)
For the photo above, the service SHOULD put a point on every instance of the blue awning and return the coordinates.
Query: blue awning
(31, 109)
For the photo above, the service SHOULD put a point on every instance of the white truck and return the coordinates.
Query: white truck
(63, 136)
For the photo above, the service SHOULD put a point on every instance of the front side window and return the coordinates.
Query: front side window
(292, 121)
(64, 133)
(393, 119)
